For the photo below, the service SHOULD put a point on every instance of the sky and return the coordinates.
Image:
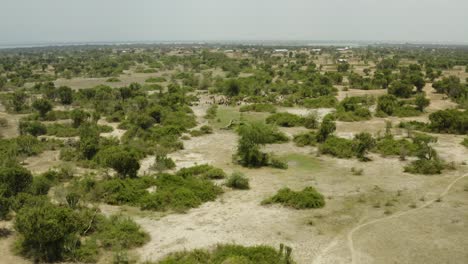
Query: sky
(59, 21)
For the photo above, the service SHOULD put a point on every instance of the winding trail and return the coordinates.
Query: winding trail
(354, 256)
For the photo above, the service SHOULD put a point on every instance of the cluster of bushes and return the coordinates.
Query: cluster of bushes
(251, 137)
(307, 198)
(354, 108)
(186, 189)
(449, 121)
(269, 108)
(389, 105)
(155, 79)
(223, 254)
(292, 120)
(305, 139)
(346, 148)
(59, 232)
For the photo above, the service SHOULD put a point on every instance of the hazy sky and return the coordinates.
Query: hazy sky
(33, 21)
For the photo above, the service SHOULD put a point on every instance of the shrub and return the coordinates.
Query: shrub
(204, 171)
(285, 120)
(113, 79)
(34, 128)
(307, 198)
(233, 254)
(44, 231)
(122, 161)
(120, 232)
(338, 147)
(42, 106)
(238, 180)
(362, 143)
(305, 139)
(258, 108)
(13, 180)
(40, 185)
(277, 163)
(327, 127)
(424, 166)
(449, 121)
(155, 79)
(179, 193)
(4, 207)
(388, 146)
(310, 121)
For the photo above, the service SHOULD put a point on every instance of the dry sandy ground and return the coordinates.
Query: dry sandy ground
(319, 234)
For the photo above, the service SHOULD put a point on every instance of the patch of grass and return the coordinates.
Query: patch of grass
(302, 162)
(307, 198)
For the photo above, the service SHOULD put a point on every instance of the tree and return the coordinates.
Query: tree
(34, 128)
(424, 150)
(401, 89)
(387, 104)
(78, 116)
(43, 106)
(65, 94)
(343, 67)
(45, 230)
(327, 127)
(124, 163)
(89, 141)
(233, 88)
(418, 81)
(14, 180)
(421, 102)
(18, 100)
(362, 143)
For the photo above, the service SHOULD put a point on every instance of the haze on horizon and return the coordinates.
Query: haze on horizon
(58, 21)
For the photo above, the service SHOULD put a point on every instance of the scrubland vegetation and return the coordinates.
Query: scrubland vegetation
(166, 132)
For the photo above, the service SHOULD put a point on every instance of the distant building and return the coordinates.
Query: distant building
(317, 50)
(280, 51)
(342, 60)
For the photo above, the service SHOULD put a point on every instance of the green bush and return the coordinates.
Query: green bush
(338, 147)
(328, 101)
(231, 254)
(34, 128)
(13, 180)
(179, 193)
(285, 120)
(118, 232)
(424, 166)
(203, 171)
(238, 180)
(277, 163)
(305, 139)
(269, 108)
(307, 198)
(155, 79)
(44, 231)
(388, 146)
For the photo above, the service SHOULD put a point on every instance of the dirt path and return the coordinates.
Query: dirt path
(354, 254)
